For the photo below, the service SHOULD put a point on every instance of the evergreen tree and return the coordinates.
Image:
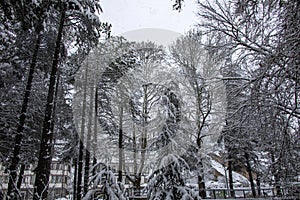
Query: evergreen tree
(109, 186)
(167, 181)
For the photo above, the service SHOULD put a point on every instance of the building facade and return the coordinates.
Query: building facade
(60, 178)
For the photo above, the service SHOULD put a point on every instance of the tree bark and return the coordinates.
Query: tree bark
(19, 135)
(138, 175)
(20, 179)
(79, 170)
(120, 144)
(276, 176)
(200, 125)
(75, 179)
(54, 106)
(82, 130)
(88, 142)
(249, 170)
(95, 130)
(134, 144)
(94, 164)
(86, 172)
(201, 185)
(45, 154)
(258, 185)
(230, 175)
(145, 113)
(277, 185)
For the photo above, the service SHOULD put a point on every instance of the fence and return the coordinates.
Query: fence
(290, 192)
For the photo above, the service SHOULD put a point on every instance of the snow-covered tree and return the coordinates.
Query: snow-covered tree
(168, 182)
(133, 98)
(35, 23)
(105, 183)
(87, 13)
(262, 37)
(86, 94)
(203, 94)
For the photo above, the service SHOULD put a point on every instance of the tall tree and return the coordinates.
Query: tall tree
(262, 37)
(199, 65)
(89, 23)
(86, 82)
(45, 155)
(88, 144)
(34, 23)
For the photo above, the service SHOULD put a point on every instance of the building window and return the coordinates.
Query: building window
(27, 179)
(56, 166)
(56, 179)
(53, 179)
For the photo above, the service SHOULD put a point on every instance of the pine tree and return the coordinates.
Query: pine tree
(110, 187)
(167, 181)
(45, 155)
(28, 23)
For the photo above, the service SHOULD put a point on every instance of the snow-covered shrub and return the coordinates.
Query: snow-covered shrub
(106, 183)
(167, 182)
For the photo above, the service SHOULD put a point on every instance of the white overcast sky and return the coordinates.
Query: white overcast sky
(129, 15)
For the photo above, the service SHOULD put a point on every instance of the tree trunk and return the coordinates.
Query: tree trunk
(54, 106)
(21, 173)
(137, 184)
(230, 175)
(276, 177)
(79, 172)
(134, 144)
(45, 154)
(143, 147)
(88, 142)
(258, 185)
(19, 135)
(94, 168)
(277, 185)
(86, 172)
(249, 170)
(120, 144)
(201, 186)
(82, 130)
(201, 183)
(75, 179)
(95, 131)
(200, 125)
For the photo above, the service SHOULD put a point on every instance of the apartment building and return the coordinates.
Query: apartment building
(60, 178)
